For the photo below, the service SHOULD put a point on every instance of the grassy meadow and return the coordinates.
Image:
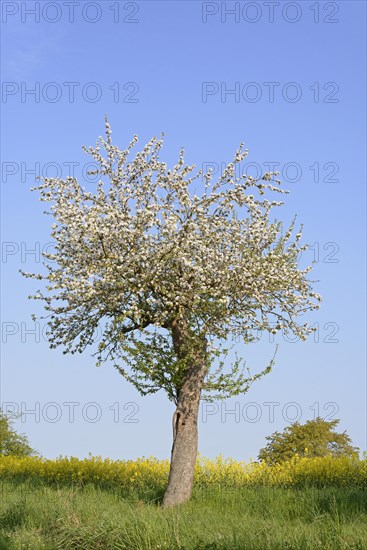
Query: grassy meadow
(104, 504)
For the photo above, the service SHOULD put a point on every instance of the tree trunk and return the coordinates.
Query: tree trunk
(185, 423)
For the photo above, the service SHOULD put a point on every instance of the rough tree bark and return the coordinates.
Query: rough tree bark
(185, 421)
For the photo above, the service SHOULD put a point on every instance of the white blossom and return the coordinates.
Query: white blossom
(143, 251)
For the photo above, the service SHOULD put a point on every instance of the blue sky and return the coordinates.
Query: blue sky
(298, 99)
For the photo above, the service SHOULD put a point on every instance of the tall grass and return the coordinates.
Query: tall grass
(104, 504)
(36, 516)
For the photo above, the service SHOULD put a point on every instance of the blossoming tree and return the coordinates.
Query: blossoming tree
(168, 276)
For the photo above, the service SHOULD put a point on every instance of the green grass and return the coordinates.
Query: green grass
(35, 516)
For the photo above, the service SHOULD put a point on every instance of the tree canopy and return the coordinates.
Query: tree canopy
(12, 443)
(144, 252)
(314, 438)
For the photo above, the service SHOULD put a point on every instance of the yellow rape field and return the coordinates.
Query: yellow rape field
(153, 473)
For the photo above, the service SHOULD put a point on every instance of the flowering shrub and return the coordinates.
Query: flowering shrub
(152, 474)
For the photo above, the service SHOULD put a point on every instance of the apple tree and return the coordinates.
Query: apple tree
(169, 275)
